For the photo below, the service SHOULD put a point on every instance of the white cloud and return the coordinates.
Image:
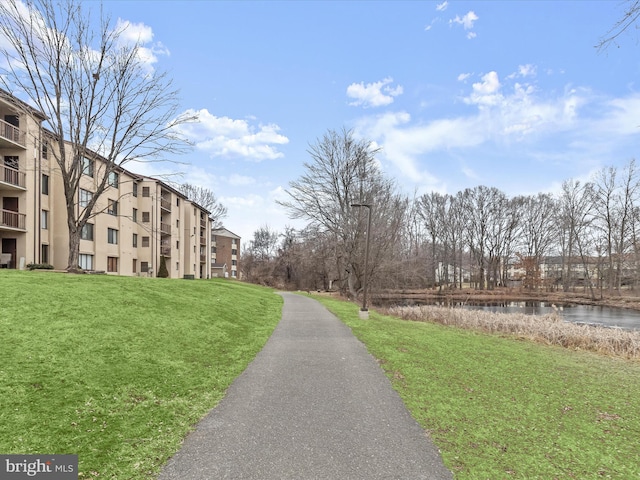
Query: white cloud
(527, 70)
(142, 35)
(226, 137)
(441, 7)
(375, 94)
(133, 33)
(524, 71)
(463, 77)
(585, 126)
(487, 91)
(467, 20)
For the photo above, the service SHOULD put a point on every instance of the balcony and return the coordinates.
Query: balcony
(203, 223)
(165, 228)
(10, 135)
(12, 179)
(203, 258)
(165, 204)
(13, 220)
(203, 240)
(165, 251)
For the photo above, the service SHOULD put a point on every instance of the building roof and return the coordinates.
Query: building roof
(223, 232)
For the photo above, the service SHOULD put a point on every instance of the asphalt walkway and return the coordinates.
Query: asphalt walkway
(312, 405)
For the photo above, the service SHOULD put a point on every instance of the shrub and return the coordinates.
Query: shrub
(549, 329)
(162, 271)
(39, 266)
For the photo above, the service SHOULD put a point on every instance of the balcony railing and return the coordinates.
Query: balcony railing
(11, 132)
(165, 204)
(13, 177)
(13, 219)
(165, 251)
(203, 240)
(203, 222)
(203, 258)
(165, 228)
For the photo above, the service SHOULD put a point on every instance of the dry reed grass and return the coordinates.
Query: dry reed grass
(548, 329)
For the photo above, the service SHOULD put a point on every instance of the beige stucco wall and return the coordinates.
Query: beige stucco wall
(182, 218)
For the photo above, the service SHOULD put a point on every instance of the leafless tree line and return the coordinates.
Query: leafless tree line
(585, 236)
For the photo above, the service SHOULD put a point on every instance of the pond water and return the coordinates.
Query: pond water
(605, 316)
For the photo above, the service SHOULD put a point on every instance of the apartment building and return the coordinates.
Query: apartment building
(225, 253)
(138, 219)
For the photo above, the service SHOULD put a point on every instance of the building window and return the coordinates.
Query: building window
(234, 251)
(112, 264)
(44, 219)
(85, 197)
(112, 208)
(85, 261)
(177, 244)
(87, 167)
(213, 249)
(134, 215)
(44, 254)
(45, 184)
(178, 223)
(145, 241)
(134, 268)
(177, 265)
(146, 192)
(234, 262)
(113, 179)
(144, 267)
(87, 232)
(135, 240)
(135, 190)
(177, 202)
(45, 148)
(146, 216)
(233, 273)
(112, 236)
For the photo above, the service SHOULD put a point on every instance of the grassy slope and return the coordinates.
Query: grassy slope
(503, 408)
(118, 369)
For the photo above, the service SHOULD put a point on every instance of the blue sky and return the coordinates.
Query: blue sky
(510, 94)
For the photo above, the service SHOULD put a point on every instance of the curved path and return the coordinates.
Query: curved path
(312, 405)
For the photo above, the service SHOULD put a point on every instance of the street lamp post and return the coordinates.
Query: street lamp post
(364, 311)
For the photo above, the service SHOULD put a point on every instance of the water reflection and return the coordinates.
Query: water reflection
(606, 316)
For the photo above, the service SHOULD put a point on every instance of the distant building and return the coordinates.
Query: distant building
(225, 253)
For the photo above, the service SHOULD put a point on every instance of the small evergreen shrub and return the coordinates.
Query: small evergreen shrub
(162, 271)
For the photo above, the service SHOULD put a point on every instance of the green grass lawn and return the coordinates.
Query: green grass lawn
(118, 370)
(501, 408)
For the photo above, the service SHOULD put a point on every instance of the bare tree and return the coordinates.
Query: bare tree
(575, 221)
(101, 98)
(629, 18)
(206, 199)
(613, 200)
(431, 209)
(342, 171)
(536, 234)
